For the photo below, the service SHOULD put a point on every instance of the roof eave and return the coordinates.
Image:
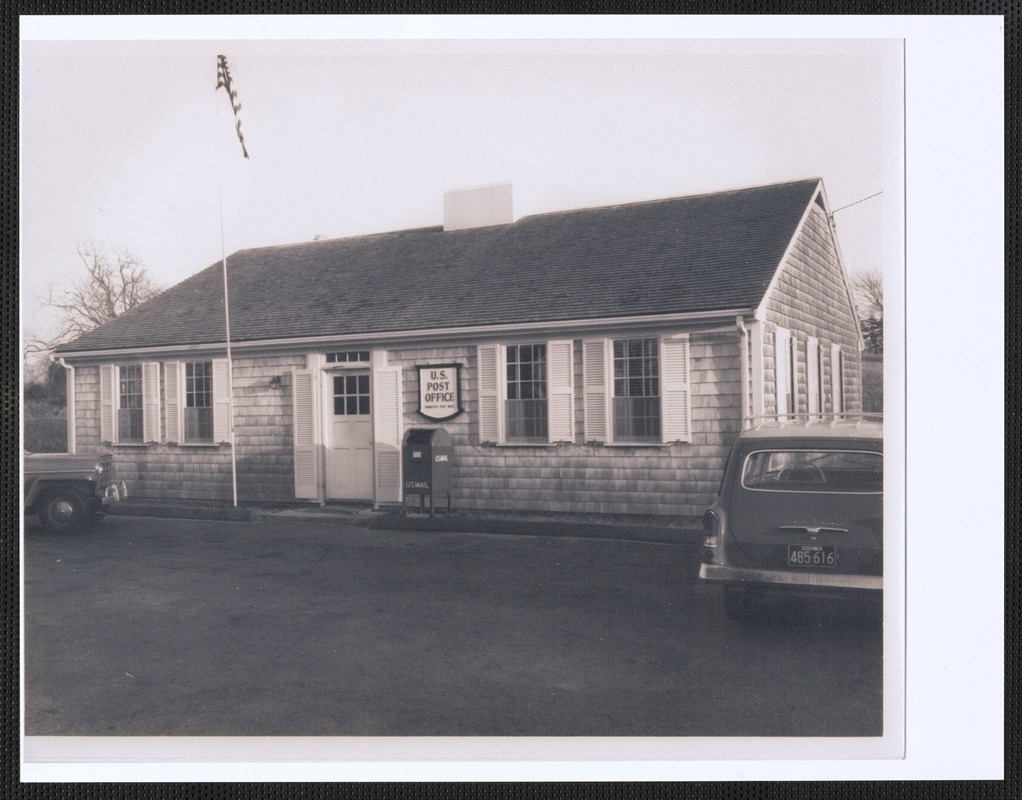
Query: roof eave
(447, 335)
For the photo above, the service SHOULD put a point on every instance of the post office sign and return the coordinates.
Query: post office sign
(440, 391)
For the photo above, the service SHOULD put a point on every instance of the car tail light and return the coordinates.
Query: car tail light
(711, 536)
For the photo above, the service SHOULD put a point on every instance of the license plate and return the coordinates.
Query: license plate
(812, 555)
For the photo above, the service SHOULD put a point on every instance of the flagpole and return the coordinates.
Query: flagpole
(230, 363)
(224, 80)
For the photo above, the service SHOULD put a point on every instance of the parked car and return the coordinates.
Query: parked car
(68, 490)
(800, 509)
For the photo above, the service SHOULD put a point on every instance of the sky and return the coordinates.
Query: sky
(360, 124)
(127, 143)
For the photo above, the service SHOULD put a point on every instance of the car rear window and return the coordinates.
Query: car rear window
(790, 470)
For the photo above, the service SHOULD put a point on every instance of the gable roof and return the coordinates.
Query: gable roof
(710, 252)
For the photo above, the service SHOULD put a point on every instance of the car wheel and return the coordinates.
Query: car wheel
(63, 510)
(738, 603)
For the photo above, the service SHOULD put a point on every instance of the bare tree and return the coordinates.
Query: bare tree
(868, 294)
(110, 286)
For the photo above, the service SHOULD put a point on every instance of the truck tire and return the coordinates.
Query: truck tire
(63, 509)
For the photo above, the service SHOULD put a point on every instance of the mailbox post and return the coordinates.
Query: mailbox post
(427, 465)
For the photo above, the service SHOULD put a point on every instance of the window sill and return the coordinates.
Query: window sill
(528, 444)
(638, 444)
(128, 444)
(197, 444)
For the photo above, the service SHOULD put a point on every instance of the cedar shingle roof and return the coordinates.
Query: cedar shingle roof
(688, 254)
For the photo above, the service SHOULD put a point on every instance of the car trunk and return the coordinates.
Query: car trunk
(814, 531)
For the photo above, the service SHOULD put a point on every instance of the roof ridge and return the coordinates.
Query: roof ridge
(659, 200)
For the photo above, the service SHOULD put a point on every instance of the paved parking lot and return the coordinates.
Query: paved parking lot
(149, 626)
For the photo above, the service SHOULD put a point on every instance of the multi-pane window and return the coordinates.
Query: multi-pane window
(637, 389)
(129, 406)
(351, 394)
(348, 357)
(199, 401)
(526, 403)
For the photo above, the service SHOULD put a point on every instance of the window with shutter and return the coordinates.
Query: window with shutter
(837, 378)
(813, 375)
(561, 391)
(151, 401)
(128, 403)
(306, 449)
(222, 422)
(107, 386)
(387, 434)
(637, 390)
(198, 401)
(490, 428)
(677, 413)
(782, 372)
(595, 390)
(526, 392)
(172, 389)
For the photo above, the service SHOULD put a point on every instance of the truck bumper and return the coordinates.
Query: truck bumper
(721, 573)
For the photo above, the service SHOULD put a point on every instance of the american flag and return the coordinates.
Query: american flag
(223, 78)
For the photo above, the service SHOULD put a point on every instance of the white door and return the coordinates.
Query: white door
(349, 452)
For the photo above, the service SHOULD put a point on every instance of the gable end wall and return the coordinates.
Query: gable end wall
(809, 297)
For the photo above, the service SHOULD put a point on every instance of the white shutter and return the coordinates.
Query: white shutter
(560, 382)
(782, 354)
(303, 418)
(172, 390)
(107, 405)
(838, 401)
(387, 433)
(676, 423)
(491, 428)
(151, 401)
(813, 374)
(222, 422)
(596, 390)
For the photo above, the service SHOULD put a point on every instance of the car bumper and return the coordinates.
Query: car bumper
(113, 493)
(768, 578)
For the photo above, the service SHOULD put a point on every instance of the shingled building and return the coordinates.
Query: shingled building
(595, 360)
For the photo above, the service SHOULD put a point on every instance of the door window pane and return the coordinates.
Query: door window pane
(351, 395)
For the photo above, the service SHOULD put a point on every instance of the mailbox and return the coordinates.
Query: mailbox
(427, 465)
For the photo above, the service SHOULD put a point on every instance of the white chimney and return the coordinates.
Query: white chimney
(479, 207)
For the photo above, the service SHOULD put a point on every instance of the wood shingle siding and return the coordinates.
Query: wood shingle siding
(263, 441)
(810, 296)
(673, 479)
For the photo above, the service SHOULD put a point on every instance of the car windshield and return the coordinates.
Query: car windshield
(814, 471)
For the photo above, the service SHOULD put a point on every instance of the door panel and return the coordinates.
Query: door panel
(349, 452)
